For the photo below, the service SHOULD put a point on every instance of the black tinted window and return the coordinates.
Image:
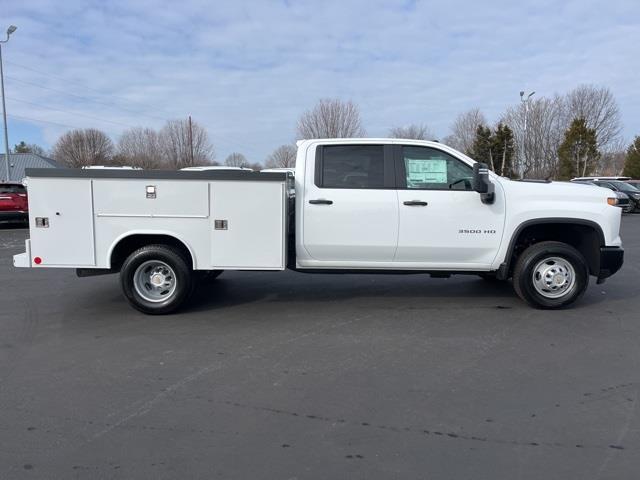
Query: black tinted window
(12, 189)
(353, 166)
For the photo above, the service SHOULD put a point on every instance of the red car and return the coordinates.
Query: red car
(14, 203)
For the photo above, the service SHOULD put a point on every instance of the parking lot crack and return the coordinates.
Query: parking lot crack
(432, 432)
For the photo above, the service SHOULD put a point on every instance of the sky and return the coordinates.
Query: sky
(246, 70)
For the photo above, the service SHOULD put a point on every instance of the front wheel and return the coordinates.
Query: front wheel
(550, 275)
(156, 279)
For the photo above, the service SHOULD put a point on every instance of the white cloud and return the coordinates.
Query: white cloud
(248, 69)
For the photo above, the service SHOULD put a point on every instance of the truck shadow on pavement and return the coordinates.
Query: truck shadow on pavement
(392, 291)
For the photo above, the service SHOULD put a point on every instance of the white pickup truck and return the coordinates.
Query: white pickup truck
(359, 205)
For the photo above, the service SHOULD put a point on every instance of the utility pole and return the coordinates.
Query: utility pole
(525, 100)
(191, 140)
(10, 30)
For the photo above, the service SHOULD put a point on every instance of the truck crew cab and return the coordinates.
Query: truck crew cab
(359, 205)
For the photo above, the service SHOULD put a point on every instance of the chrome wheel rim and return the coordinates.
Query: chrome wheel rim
(155, 281)
(553, 277)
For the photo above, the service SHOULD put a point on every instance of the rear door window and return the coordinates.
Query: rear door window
(352, 166)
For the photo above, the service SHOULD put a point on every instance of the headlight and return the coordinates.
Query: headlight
(612, 201)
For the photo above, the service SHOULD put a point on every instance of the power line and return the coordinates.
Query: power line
(96, 101)
(89, 88)
(82, 97)
(39, 120)
(70, 112)
(244, 142)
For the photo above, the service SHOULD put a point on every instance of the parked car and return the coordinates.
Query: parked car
(619, 186)
(623, 200)
(593, 179)
(14, 203)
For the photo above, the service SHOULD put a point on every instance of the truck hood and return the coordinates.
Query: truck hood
(558, 190)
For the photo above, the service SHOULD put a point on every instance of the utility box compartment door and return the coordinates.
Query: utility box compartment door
(61, 221)
(151, 198)
(248, 225)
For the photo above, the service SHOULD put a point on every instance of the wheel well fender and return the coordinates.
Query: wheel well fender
(127, 243)
(584, 235)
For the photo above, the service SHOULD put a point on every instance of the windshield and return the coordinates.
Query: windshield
(10, 188)
(625, 187)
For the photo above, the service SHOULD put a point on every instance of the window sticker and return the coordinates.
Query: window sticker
(425, 171)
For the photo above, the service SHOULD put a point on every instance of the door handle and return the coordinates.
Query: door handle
(416, 203)
(321, 201)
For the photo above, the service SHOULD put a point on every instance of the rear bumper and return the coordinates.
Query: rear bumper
(14, 216)
(23, 260)
(611, 259)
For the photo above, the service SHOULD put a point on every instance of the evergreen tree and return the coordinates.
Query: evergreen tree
(503, 149)
(495, 148)
(21, 148)
(483, 146)
(578, 153)
(632, 161)
(24, 147)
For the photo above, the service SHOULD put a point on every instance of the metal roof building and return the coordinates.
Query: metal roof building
(19, 161)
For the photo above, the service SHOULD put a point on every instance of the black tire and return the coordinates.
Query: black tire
(181, 276)
(524, 281)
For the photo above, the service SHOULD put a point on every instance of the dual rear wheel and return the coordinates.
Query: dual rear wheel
(157, 279)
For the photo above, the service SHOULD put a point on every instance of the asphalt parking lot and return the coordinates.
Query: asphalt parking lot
(287, 375)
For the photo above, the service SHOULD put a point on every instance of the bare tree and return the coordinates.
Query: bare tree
(184, 146)
(464, 128)
(331, 118)
(83, 147)
(612, 158)
(37, 149)
(284, 156)
(140, 147)
(599, 108)
(413, 131)
(538, 131)
(236, 159)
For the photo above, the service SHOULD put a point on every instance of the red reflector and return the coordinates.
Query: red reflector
(37, 260)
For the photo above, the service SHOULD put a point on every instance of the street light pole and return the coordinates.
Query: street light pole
(525, 100)
(10, 30)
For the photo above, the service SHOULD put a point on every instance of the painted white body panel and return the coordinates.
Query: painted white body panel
(256, 232)
(431, 235)
(68, 204)
(96, 214)
(174, 199)
(429, 238)
(360, 225)
(362, 229)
